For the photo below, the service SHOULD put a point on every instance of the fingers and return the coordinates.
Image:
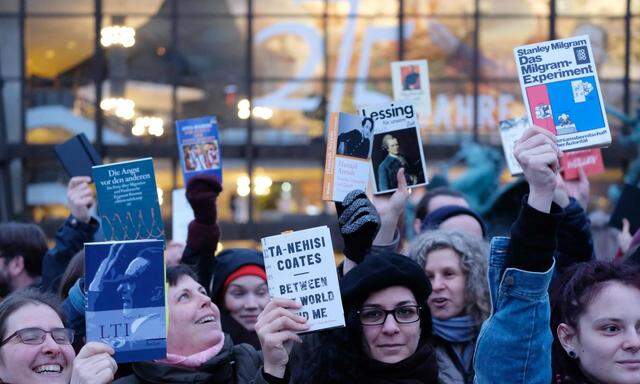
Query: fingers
(626, 226)
(402, 182)
(78, 180)
(535, 130)
(94, 348)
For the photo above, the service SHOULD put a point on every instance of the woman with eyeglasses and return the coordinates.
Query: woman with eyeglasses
(386, 338)
(36, 348)
(456, 265)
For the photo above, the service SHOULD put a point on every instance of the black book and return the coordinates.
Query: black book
(77, 156)
(628, 207)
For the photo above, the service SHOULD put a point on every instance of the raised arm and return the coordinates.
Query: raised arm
(517, 334)
(77, 229)
(204, 233)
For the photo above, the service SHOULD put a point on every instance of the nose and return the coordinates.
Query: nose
(632, 341)
(251, 302)
(437, 283)
(390, 326)
(49, 346)
(205, 300)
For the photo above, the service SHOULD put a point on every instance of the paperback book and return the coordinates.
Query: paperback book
(300, 266)
(410, 80)
(199, 147)
(126, 304)
(347, 156)
(562, 93)
(128, 200)
(77, 155)
(396, 144)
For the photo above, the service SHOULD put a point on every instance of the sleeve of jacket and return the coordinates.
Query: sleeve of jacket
(200, 250)
(73, 308)
(574, 241)
(69, 240)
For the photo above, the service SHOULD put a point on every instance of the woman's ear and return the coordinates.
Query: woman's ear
(568, 338)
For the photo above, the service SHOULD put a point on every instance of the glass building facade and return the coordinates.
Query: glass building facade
(122, 71)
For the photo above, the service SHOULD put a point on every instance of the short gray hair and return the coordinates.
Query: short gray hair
(473, 263)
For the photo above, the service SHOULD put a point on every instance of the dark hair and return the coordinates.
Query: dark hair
(364, 120)
(26, 240)
(74, 271)
(20, 298)
(422, 209)
(176, 272)
(571, 294)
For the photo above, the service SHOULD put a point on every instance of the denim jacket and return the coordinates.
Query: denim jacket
(514, 344)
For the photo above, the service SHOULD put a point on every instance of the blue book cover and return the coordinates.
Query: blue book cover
(128, 200)
(126, 304)
(199, 147)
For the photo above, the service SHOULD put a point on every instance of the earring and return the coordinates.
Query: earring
(573, 354)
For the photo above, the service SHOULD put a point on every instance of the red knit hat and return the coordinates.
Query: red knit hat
(246, 270)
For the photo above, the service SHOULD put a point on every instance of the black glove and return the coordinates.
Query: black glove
(202, 192)
(359, 224)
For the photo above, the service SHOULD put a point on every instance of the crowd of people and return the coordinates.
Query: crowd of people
(448, 307)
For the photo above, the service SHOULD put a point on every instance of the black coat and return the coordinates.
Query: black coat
(235, 364)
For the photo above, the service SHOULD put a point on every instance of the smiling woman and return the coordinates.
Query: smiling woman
(36, 348)
(197, 349)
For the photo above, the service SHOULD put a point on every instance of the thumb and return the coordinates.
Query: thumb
(402, 182)
(625, 225)
(93, 348)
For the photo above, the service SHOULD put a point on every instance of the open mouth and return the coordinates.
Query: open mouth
(206, 319)
(440, 301)
(48, 368)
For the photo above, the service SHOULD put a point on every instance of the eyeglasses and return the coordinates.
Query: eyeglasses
(377, 316)
(36, 336)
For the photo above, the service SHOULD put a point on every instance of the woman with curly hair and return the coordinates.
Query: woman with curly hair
(456, 265)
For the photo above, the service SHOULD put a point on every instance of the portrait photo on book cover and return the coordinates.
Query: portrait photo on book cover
(410, 76)
(126, 279)
(201, 157)
(394, 150)
(355, 141)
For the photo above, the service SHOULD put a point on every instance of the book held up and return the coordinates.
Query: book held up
(300, 266)
(126, 306)
(396, 144)
(128, 200)
(347, 155)
(199, 147)
(562, 93)
(410, 81)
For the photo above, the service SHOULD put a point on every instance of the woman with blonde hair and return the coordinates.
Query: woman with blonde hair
(456, 265)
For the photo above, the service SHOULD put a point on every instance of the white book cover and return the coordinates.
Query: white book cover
(347, 155)
(300, 266)
(410, 80)
(510, 131)
(396, 144)
(181, 215)
(562, 93)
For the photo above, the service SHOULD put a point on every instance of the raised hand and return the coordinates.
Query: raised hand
(539, 157)
(80, 198)
(94, 364)
(390, 209)
(276, 328)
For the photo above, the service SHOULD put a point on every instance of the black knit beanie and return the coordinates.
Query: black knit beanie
(435, 218)
(380, 271)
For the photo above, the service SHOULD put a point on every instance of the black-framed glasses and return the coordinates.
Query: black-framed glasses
(36, 336)
(376, 316)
